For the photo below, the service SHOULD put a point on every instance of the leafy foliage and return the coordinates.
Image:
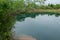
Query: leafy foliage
(6, 21)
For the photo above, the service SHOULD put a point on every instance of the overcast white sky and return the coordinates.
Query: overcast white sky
(53, 1)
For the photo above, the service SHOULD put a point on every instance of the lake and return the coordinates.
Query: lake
(41, 26)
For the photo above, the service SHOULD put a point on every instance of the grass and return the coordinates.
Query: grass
(45, 10)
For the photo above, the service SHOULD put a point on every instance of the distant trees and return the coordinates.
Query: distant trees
(50, 6)
(57, 6)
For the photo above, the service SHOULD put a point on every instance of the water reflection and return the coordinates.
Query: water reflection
(41, 26)
(22, 16)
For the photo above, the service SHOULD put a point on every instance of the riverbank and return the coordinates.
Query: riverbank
(45, 10)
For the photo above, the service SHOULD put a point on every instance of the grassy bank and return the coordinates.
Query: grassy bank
(45, 10)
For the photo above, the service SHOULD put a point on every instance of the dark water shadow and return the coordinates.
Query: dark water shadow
(21, 17)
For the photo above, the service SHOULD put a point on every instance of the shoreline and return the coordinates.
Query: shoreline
(45, 10)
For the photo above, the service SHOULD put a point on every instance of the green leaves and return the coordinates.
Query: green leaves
(6, 20)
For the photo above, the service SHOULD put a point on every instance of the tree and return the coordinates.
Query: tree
(6, 20)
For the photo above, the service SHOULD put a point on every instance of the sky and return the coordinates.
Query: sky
(52, 2)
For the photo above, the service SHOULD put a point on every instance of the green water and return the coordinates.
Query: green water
(42, 26)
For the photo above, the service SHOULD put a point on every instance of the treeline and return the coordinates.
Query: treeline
(27, 5)
(23, 5)
(50, 6)
(19, 4)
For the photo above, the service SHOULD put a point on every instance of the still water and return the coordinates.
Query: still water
(41, 26)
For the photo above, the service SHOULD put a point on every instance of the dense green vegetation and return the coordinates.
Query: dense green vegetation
(8, 9)
(25, 5)
(50, 6)
(6, 21)
(29, 4)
